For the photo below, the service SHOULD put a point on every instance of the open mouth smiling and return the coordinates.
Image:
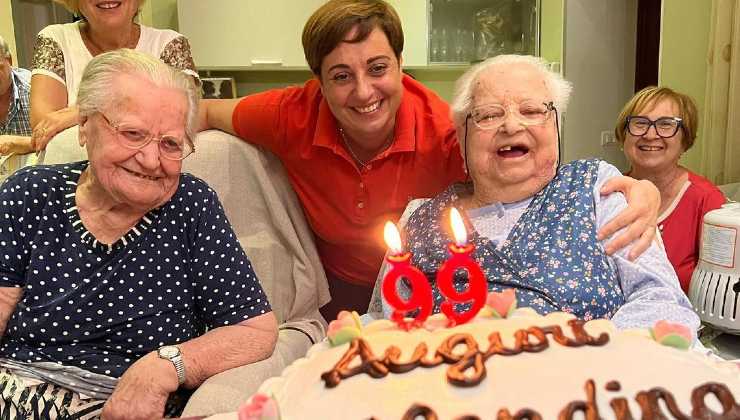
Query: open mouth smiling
(646, 148)
(108, 5)
(368, 109)
(142, 176)
(512, 151)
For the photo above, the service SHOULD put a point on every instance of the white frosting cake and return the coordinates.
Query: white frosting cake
(549, 382)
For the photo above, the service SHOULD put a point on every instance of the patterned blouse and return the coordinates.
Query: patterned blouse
(549, 253)
(61, 54)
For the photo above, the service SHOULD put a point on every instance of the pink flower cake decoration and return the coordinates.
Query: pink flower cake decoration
(500, 304)
(671, 334)
(345, 328)
(259, 407)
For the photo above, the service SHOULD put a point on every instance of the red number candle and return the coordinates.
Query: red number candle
(460, 258)
(401, 268)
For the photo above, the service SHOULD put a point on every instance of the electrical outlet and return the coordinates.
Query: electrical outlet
(607, 137)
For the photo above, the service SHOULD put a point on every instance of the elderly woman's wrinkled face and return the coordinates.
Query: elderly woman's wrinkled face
(511, 150)
(362, 84)
(650, 151)
(141, 178)
(109, 13)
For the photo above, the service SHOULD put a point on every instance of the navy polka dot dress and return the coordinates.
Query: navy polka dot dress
(100, 307)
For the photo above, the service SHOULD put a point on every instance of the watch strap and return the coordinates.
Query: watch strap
(179, 367)
(176, 360)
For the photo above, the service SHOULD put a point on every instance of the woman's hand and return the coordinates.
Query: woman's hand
(639, 218)
(15, 145)
(142, 391)
(51, 125)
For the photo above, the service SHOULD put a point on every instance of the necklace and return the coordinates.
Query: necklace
(363, 163)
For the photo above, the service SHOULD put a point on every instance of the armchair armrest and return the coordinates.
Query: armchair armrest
(226, 391)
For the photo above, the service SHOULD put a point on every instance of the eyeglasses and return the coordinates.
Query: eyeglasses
(170, 147)
(665, 127)
(492, 116)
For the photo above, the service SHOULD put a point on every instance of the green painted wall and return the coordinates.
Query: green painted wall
(6, 27)
(551, 30)
(683, 63)
(160, 14)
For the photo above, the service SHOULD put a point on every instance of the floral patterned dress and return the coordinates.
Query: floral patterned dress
(551, 256)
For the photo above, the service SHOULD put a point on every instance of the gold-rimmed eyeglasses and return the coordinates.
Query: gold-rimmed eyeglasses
(170, 147)
(493, 116)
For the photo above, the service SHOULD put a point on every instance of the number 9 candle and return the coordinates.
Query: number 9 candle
(460, 258)
(401, 268)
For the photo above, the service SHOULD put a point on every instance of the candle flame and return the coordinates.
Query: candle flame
(392, 238)
(458, 227)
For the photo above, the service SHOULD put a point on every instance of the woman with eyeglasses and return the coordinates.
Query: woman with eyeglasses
(122, 284)
(655, 128)
(534, 221)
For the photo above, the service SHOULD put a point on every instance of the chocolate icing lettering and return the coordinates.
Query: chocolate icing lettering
(588, 408)
(393, 354)
(730, 409)
(613, 386)
(522, 340)
(471, 358)
(648, 401)
(369, 364)
(418, 410)
(523, 414)
(456, 373)
(621, 408)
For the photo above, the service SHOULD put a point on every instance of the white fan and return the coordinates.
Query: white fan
(715, 285)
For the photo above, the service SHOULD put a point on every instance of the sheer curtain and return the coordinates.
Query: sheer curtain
(721, 120)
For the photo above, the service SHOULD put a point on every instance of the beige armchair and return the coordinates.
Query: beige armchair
(269, 223)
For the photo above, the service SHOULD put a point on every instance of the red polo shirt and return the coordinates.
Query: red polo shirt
(347, 206)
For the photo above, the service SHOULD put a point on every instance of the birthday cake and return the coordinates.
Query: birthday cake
(524, 367)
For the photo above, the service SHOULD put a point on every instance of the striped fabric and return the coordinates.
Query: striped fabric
(22, 400)
(43, 401)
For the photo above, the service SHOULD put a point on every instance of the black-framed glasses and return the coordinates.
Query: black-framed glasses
(170, 147)
(665, 127)
(493, 116)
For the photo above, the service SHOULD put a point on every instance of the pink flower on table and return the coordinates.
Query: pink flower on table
(501, 304)
(345, 328)
(672, 334)
(259, 407)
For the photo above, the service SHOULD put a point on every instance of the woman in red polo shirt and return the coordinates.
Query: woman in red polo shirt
(361, 139)
(656, 127)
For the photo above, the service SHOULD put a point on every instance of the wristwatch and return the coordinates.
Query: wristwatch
(172, 353)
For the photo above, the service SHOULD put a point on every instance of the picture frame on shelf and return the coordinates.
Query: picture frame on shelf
(218, 88)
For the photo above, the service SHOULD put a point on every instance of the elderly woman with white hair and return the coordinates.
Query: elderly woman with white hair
(534, 221)
(122, 283)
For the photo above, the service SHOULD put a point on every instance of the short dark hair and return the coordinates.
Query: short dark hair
(330, 24)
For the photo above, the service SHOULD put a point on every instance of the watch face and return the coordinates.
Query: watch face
(168, 352)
